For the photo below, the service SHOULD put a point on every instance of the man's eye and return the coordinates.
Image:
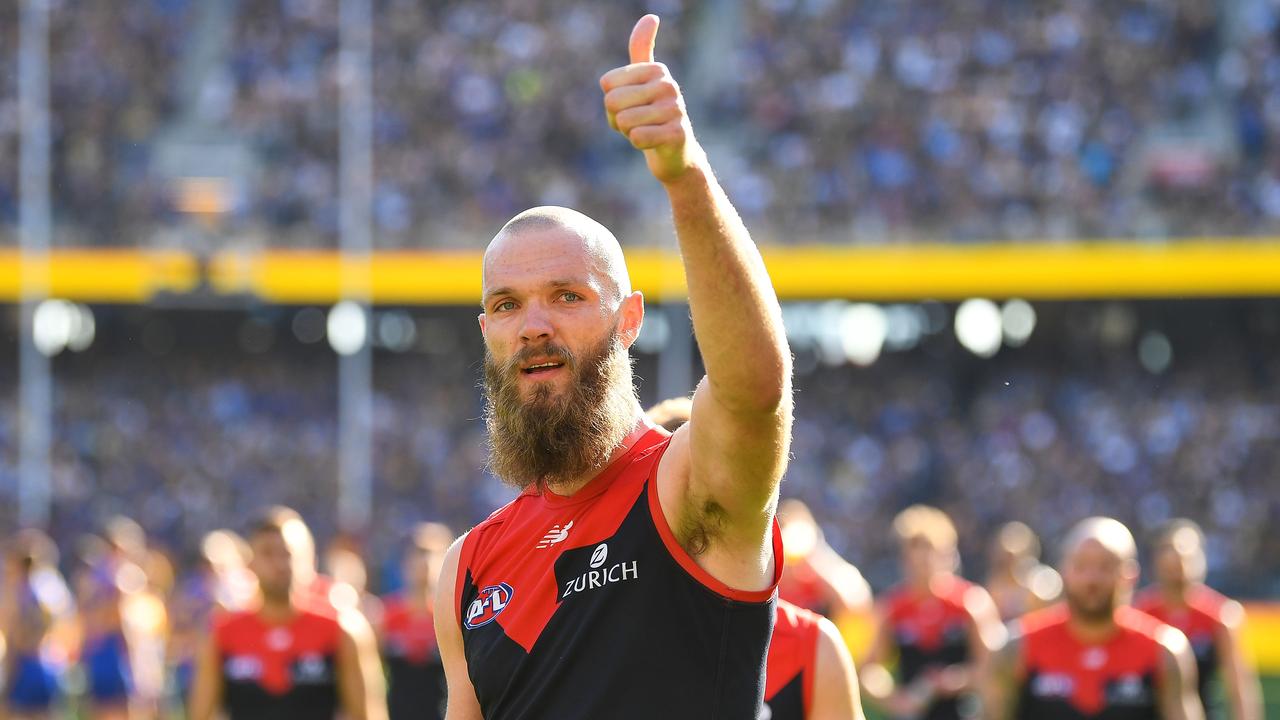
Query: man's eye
(571, 296)
(505, 305)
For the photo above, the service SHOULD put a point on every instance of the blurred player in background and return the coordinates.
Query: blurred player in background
(146, 621)
(941, 627)
(408, 635)
(1210, 621)
(673, 554)
(313, 588)
(816, 577)
(670, 414)
(220, 582)
(1017, 580)
(350, 581)
(110, 579)
(1094, 655)
(37, 618)
(809, 673)
(285, 658)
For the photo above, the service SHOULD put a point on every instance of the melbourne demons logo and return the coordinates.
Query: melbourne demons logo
(488, 605)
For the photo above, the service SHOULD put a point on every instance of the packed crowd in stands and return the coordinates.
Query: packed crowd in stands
(200, 437)
(965, 121)
(475, 114)
(112, 88)
(844, 122)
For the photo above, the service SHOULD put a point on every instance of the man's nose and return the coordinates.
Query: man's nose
(537, 324)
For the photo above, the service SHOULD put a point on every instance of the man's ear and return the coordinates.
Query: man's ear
(630, 318)
(481, 319)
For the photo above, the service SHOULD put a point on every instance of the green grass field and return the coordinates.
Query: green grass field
(1271, 695)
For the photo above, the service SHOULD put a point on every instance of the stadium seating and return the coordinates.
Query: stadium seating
(834, 122)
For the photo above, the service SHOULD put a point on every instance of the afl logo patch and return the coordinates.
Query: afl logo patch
(600, 555)
(488, 605)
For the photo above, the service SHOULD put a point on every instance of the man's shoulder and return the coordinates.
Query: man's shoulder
(1039, 622)
(1145, 626)
(1211, 603)
(493, 525)
(793, 618)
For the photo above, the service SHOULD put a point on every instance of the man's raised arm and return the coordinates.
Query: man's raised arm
(732, 453)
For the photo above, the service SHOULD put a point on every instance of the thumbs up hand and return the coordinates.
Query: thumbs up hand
(644, 104)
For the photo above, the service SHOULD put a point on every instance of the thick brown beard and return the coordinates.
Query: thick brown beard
(549, 440)
(1090, 613)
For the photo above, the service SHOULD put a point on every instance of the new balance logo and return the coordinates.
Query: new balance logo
(555, 535)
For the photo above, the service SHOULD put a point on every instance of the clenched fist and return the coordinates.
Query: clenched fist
(643, 103)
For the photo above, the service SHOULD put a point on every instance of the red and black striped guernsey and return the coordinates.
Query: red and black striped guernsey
(586, 607)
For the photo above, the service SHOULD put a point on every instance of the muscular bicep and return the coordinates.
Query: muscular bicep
(735, 462)
(462, 704)
(835, 684)
(1178, 697)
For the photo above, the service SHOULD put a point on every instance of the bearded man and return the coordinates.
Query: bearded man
(635, 575)
(1093, 655)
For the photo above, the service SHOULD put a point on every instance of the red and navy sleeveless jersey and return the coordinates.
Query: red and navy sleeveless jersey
(793, 654)
(931, 631)
(416, 687)
(278, 670)
(1200, 619)
(587, 607)
(1065, 679)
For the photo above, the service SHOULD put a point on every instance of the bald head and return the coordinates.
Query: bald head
(1110, 533)
(562, 232)
(1099, 569)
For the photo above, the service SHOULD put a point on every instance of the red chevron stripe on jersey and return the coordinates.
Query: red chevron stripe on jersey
(580, 606)
(1066, 679)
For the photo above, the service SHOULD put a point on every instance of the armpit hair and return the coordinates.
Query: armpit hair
(702, 526)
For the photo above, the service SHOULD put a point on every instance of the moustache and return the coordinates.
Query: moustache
(549, 352)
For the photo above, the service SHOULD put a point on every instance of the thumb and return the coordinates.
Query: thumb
(643, 36)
